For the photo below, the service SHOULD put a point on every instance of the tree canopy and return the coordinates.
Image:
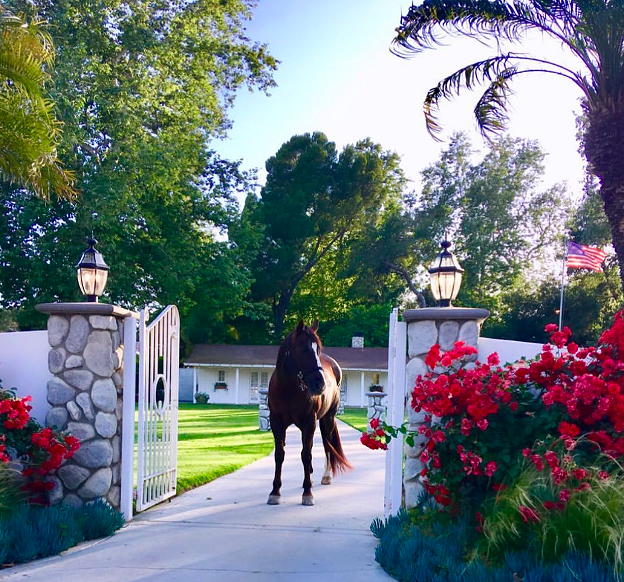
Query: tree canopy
(592, 32)
(314, 201)
(141, 88)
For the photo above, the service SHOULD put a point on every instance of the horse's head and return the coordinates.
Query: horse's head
(305, 351)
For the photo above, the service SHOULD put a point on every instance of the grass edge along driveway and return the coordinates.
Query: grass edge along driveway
(217, 439)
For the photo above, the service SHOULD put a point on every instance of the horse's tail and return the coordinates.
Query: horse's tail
(333, 445)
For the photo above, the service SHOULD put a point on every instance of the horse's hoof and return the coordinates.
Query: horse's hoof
(273, 500)
(307, 500)
(326, 480)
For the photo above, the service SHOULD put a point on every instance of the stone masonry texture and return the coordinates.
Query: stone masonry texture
(85, 392)
(422, 335)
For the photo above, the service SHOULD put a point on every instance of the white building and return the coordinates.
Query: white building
(233, 374)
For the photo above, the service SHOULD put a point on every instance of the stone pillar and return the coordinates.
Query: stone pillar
(376, 407)
(425, 328)
(264, 421)
(343, 396)
(86, 360)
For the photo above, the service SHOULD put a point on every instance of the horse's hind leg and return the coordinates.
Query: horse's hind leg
(327, 424)
(279, 435)
(307, 439)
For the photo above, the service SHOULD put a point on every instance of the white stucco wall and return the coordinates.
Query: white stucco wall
(24, 366)
(509, 351)
(208, 376)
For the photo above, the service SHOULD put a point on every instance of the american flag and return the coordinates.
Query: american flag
(584, 257)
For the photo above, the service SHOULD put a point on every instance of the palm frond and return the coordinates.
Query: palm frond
(425, 25)
(29, 130)
(467, 77)
(491, 109)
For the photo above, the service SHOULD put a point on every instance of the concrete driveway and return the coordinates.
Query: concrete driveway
(225, 531)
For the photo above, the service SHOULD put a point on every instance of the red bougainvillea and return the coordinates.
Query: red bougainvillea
(566, 408)
(40, 450)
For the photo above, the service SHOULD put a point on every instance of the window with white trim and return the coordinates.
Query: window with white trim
(221, 376)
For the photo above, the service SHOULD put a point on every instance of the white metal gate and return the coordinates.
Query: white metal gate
(159, 359)
(397, 360)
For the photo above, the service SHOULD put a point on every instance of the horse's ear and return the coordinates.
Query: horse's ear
(314, 326)
(300, 326)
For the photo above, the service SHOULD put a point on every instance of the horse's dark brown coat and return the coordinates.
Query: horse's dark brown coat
(291, 402)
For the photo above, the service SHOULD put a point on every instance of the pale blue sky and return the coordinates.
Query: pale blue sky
(338, 76)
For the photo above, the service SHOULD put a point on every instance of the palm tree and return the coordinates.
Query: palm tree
(29, 131)
(591, 30)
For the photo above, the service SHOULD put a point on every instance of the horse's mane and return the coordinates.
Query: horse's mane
(286, 346)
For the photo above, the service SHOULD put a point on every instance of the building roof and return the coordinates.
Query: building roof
(236, 355)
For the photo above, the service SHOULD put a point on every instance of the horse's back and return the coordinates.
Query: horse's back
(335, 367)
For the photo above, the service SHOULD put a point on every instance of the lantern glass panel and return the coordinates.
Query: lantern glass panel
(87, 280)
(100, 281)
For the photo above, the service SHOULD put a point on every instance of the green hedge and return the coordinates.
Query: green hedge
(32, 531)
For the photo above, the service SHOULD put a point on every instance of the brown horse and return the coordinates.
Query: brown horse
(304, 387)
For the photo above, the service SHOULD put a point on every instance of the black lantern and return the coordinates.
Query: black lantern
(92, 272)
(446, 276)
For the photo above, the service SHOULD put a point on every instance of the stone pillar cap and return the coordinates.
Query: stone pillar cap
(380, 394)
(445, 313)
(85, 308)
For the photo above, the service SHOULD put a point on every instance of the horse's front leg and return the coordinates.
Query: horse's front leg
(279, 435)
(307, 439)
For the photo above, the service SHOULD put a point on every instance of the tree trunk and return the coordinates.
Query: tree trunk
(604, 150)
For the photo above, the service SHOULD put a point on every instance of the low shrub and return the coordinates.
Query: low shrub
(202, 398)
(415, 546)
(33, 531)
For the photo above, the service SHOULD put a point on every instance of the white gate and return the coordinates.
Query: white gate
(159, 359)
(397, 360)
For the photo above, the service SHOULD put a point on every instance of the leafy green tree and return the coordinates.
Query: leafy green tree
(29, 131)
(142, 88)
(591, 31)
(590, 303)
(489, 205)
(371, 320)
(314, 201)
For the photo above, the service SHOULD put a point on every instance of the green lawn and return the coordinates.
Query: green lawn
(356, 417)
(216, 439)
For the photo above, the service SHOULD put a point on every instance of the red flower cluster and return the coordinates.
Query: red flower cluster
(472, 394)
(588, 382)
(439, 492)
(46, 452)
(58, 448)
(436, 357)
(569, 400)
(4, 458)
(15, 413)
(376, 437)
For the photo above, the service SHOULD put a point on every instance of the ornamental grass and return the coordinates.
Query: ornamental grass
(32, 531)
(413, 547)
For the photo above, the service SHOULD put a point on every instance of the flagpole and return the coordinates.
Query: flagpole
(563, 273)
